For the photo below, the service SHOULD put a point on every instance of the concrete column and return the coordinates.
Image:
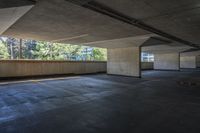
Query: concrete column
(198, 61)
(20, 48)
(169, 61)
(188, 62)
(124, 61)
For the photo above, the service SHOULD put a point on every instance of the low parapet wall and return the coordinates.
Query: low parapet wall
(22, 68)
(147, 65)
(198, 61)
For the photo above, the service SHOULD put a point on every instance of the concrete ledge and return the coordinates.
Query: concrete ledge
(30, 68)
(51, 61)
(165, 70)
(189, 69)
(124, 75)
(147, 65)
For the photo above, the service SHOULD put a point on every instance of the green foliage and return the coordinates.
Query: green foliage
(100, 54)
(56, 51)
(9, 48)
(49, 51)
(3, 51)
(29, 49)
(72, 50)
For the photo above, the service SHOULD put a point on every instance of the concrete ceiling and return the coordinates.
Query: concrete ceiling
(15, 3)
(10, 15)
(191, 53)
(180, 18)
(165, 48)
(61, 21)
(135, 41)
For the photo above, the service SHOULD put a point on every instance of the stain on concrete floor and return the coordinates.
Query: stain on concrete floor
(102, 104)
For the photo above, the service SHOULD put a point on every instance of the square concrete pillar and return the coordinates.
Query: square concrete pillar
(124, 61)
(188, 62)
(169, 61)
(198, 61)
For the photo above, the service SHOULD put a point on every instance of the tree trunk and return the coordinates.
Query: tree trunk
(11, 51)
(20, 49)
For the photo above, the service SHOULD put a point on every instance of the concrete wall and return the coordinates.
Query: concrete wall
(15, 68)
(169, 61)
(124, 61)
(198, 61)
(147, 65)
(188, 62)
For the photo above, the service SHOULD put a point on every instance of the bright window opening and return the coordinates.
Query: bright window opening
(147, 57)
(11, 48)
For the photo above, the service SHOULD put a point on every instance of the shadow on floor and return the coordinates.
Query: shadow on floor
(103, 104)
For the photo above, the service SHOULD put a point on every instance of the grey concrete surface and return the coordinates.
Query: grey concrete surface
(135, 41)
(190, 59)
(147, 65)
(165, 48)
(30, 68)
(65, 22)
(161, 102)
(169, 61)
(198, 61)
(124, 61)
(191, 53)
(188, 62)
(10, 15)
(23, 68)
(16, 3)
(61, 21)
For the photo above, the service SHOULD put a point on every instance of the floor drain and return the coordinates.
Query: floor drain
(187, 83)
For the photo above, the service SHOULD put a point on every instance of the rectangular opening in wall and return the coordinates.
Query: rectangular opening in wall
(13, 48)
(147, 61)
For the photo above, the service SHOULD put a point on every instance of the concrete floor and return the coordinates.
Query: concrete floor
(161, 102)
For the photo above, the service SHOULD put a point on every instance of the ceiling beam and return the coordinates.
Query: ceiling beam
(190, 50)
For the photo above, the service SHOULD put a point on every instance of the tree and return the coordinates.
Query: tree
(31, 49)
(72, 51)
(100, 54)
(13, 47)
(43, 51)
(3, 50)
(56, 51)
